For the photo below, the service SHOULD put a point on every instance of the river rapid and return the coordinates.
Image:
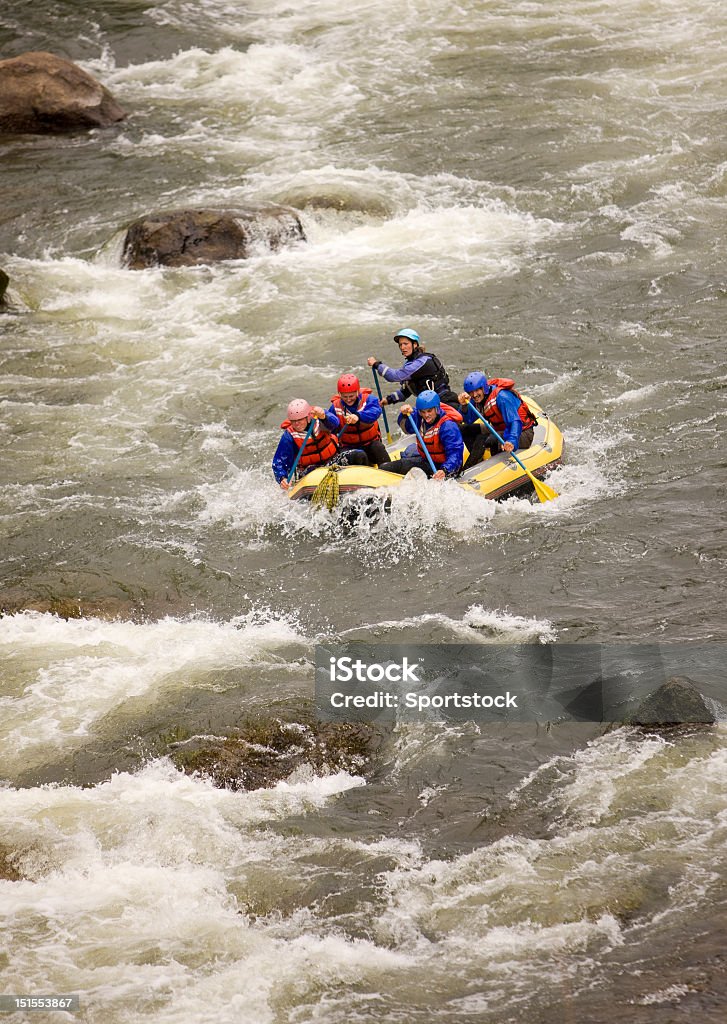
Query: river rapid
(539, 189)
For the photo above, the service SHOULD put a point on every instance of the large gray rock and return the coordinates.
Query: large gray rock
(184, 238)
(676, 702)
(41, 93)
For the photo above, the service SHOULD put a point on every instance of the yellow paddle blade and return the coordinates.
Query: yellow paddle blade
(542, 490)
(327, 491)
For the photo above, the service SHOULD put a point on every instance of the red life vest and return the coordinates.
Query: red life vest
(491, 412)
(356, 433)
(320, 447)
(430, 434)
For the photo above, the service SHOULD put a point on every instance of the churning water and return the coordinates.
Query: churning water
(539, 189)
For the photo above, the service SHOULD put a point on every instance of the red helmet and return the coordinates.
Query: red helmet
(348, 384)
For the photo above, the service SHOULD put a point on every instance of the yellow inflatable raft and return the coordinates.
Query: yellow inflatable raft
(495, 477)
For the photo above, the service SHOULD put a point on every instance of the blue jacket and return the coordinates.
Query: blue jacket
(450, 436)
(287, 450)
(508, 404)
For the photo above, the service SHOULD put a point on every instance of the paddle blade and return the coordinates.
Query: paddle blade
(542, 490)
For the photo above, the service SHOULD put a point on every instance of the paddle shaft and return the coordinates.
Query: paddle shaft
(346, 411)
(381, 398)
(492, 430)
(311, 428)
(424, 448)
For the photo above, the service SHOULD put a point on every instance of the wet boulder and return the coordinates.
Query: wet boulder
(15, 602)
(9, 871)
(266, 751)
(41, 93)
(676, 702)
(186, 238)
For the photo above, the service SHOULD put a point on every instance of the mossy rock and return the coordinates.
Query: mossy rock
(8, 870)
(266, 751)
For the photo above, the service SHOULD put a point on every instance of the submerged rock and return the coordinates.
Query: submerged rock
(185, 238)
(41, 93)
(676, 702)
(342, 200)
(265, 752)
(107, 608)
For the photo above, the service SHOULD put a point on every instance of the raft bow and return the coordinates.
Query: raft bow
(327, 492)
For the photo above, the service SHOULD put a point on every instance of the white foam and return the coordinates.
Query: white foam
(616, 775)
(251, 502)
(671, 994)
(142, 872)
(511, 627)
(560, 385)
(67, 675)
(447, 247)
(477, 625)
(651, 236)
(264, 81)
(635, 395)
(601, 771)
(473, 906)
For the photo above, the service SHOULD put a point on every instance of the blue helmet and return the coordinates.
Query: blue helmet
(474, 380)
(407, 332)
(428, 400)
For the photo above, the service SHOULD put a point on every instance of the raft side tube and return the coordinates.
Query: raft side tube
(495, 477)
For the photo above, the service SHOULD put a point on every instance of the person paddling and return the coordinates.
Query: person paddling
(310, 447)
(421, 371)
(438, 425)
(502, 406)
(357, 411)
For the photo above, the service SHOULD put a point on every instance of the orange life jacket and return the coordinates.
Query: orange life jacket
(320, 446)
(491, 412)
(430, 434)
(359, 433)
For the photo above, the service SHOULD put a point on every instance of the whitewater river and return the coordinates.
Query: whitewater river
(540, 189)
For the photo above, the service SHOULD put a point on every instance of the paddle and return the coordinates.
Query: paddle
(339, 435)
(421, 442)
(383, 408)
(542, 490)
(311, 428)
